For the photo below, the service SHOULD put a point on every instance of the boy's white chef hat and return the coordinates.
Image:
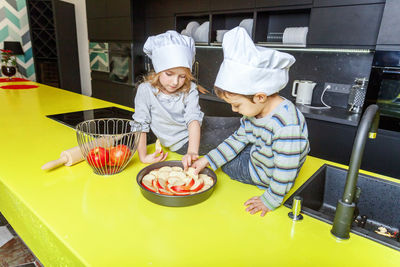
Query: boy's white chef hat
(170, 50)
(248, 69)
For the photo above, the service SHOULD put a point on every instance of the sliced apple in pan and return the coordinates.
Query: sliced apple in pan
(191, 173)
(207, 179)
(189, 182)
(161, 183)
(149, 186)
(149, 178)
(198, 184)
(165, 192)
(181, 175)
(180, 190)
(174, 181)
(177, 169)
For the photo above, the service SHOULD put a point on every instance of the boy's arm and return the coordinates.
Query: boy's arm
(229, 148)
(290, 149)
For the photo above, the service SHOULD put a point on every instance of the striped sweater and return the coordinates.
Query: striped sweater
(279, 148)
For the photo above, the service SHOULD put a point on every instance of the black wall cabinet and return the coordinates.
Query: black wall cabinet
(326, 3)
(54, 43)
(345, 26)
(389, 33)
(231, 4)
(109, 20)
(282, 3)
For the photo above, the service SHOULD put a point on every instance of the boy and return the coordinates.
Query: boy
(271, 143)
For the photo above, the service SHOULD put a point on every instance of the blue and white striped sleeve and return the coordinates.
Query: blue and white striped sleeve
(229, 148)
(288, 146)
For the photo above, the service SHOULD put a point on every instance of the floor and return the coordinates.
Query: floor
(15, 253)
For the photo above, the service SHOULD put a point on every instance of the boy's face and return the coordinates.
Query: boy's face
(245, 106)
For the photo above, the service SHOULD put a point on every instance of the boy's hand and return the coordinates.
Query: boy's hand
(199, 165)
(188, 159)
(255, 205)
(153, 158)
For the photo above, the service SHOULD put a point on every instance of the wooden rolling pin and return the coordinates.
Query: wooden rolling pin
(74, 155)
(68, 158)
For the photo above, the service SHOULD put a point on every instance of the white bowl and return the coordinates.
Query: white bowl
(220, 35)
(248, 25)
(192, 27)
(201, 34)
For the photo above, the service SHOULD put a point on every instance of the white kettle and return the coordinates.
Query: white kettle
(303, 91)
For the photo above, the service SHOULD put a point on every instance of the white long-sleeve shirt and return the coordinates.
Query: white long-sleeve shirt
(168, 116)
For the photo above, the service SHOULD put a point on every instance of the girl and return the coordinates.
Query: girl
(167, 101)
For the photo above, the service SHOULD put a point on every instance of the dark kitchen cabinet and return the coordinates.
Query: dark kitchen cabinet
(389, 33)
(282, 3)
(54, 43)
(156, 8)
(159, 25)
(326, 3)
(96, 9)
(231, 4)
(107, 8)
(110, 29)
(348, 26)
(109, 20)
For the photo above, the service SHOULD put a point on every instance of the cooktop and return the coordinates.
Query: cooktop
(72, 119)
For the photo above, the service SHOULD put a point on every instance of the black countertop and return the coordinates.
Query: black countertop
(334, 114)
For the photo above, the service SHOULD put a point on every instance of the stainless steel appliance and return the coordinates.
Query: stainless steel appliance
(384, 88)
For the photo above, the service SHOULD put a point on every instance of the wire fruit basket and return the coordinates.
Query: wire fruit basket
(108, 145)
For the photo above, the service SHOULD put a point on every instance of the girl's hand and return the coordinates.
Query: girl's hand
(255, 205)
(188, 159)
(153, 158)
(200, 164)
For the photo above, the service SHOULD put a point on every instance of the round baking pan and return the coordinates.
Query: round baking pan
(174, 201)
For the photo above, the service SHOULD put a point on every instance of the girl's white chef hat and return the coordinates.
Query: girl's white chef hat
(248, 69)
(170, 50)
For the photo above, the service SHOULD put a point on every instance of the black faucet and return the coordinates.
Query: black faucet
(345, 207)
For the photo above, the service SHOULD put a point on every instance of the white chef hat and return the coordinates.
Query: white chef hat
(248, 69)
(170, 50)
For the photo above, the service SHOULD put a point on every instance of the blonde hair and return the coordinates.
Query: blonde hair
(154, 80)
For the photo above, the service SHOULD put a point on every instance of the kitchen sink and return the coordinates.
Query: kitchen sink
(379, 202)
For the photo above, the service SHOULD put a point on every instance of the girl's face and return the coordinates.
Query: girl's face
(172, 79)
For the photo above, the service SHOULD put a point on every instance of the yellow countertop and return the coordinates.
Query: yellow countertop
(72, 217)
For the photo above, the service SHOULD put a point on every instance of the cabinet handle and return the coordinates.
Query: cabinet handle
(391, 71)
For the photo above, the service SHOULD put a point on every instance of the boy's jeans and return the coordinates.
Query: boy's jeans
(238, 168)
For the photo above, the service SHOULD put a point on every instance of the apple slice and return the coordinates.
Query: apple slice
(180, 188)
(189, 182)
(149, 186)
(198, 184)
(161, 183)
(207, 179)
(174, 181)
(165, 192)
(149, 178)
(158, 146)
(191, 173)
